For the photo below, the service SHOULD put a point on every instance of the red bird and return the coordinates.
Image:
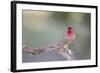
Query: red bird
(70, 35)
(63, 48)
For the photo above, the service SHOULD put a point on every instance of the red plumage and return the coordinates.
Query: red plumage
(70, 36)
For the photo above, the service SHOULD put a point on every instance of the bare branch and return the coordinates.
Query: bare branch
(61, 48)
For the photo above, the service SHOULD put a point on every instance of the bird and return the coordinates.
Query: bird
(70, 35)
(62, 48)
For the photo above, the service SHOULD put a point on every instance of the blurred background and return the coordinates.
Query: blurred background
(42, 28)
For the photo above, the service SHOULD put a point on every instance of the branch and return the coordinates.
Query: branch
(35, 51)
(61, 48)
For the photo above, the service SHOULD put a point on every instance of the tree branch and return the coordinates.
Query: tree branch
(61, 48)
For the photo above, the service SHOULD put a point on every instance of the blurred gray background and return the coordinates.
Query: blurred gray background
(42, 28)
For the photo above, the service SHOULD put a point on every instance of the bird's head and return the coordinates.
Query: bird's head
(69, 28)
